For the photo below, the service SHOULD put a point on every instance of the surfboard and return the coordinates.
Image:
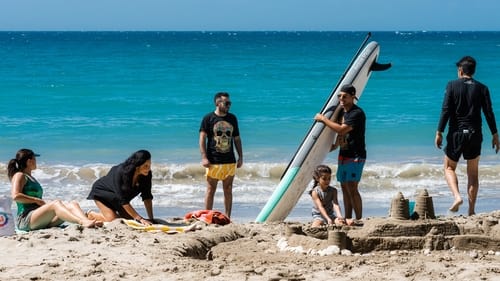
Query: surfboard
(319, 139)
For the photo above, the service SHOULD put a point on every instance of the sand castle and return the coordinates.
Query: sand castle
(407, 229)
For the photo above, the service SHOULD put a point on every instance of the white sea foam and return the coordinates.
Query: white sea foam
(182, 187)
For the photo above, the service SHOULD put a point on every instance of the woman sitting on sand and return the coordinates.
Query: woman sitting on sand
(112, 193)
(32, 211)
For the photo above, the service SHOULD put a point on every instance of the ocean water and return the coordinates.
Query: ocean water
(87, 100)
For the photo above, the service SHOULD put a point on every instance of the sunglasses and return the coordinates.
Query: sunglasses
(343, 96)
(226, 103)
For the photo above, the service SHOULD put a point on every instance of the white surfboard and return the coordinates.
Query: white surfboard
(316, 145)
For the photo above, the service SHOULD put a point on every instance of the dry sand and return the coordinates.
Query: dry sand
(454, 248)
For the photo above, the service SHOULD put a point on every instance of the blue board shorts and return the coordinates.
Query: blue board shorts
(350, 169)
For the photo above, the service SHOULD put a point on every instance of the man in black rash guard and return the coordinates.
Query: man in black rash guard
(463, 101)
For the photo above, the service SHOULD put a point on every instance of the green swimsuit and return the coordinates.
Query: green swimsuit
(31, 188)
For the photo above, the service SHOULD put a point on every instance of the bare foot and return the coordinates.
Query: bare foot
(357, 222)
(349, 221)
(456, 205)
(91, 223)
(90, 214)
(340, 221)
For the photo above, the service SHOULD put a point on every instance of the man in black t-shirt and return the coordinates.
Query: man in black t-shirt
(463, 101)
(352, 154)
(219, 136)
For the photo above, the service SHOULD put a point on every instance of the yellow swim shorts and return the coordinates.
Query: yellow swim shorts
(221, 171)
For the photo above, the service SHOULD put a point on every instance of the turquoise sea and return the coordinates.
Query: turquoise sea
(87, 100)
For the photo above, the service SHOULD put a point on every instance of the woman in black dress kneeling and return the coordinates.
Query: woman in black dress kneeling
(112, 193)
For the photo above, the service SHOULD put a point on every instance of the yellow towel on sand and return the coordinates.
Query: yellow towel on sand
(170, 229)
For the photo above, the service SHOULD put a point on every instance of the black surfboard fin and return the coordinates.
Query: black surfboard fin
(380, 66)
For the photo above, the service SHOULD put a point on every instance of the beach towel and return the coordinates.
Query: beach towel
(173, 228)
(208, 217)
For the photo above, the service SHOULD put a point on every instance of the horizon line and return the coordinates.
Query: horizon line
(144, 30)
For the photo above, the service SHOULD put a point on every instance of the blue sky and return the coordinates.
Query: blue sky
(245, 15)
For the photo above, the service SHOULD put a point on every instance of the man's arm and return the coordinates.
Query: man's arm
(341, 129)
(495, 142)
(438, 141)
(239, 149)
(203, 149)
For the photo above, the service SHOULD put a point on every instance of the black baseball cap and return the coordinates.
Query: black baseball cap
(350, 89)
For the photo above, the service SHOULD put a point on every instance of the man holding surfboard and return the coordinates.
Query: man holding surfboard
(463, 101)
(352, 154)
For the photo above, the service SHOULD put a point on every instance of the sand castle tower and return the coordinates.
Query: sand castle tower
(338, 238)
(399, 207)
(424, 208)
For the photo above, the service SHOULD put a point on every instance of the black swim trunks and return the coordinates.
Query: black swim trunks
(463, 142)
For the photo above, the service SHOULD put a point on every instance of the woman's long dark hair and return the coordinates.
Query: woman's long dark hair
(19, 163)
(135, 160)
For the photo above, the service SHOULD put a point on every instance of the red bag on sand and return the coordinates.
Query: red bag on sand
(208, 216)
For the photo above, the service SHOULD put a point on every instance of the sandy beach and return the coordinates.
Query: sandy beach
(446, 248)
